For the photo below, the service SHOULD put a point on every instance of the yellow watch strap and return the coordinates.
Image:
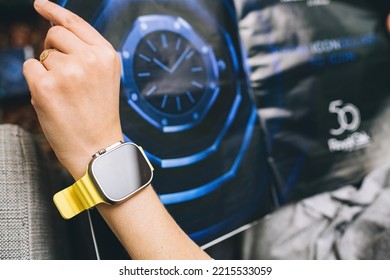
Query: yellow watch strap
(80, 196)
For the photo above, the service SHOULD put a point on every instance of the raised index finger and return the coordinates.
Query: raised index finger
(61, 16)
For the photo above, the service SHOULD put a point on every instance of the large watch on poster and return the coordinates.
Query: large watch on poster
(170, 73)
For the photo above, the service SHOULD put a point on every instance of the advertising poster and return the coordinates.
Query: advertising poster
(186, 100)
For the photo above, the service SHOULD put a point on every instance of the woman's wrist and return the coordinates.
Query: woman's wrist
(146, 229)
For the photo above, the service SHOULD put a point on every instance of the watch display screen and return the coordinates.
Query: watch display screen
(185, 98)
(121, 172)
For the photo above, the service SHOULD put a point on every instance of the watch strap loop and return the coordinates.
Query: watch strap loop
(80, 196)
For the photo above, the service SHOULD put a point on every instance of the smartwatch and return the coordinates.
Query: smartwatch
(114, 174)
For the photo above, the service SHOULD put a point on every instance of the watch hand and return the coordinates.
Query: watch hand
(173, 69)
(182, 56)
(159, 63)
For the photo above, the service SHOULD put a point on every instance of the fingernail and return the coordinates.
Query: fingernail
(40, 2)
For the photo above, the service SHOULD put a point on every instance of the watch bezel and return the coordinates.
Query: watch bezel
(168, 123)
(106, 152)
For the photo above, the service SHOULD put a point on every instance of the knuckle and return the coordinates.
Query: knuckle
(54, 31)
(69, 72)
(109, 55)
(54, 35)
(91, 58)
(72, 19)
(100, 55)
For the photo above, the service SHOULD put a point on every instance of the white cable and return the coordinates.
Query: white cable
(93, 236)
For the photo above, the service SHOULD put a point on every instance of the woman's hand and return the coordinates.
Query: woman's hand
(75, 90)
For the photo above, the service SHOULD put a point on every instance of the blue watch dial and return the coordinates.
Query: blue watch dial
(169, 72)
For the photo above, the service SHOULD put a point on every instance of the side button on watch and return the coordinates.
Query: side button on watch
(113, 175)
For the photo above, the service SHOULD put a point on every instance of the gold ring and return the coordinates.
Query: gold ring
(45, 54)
